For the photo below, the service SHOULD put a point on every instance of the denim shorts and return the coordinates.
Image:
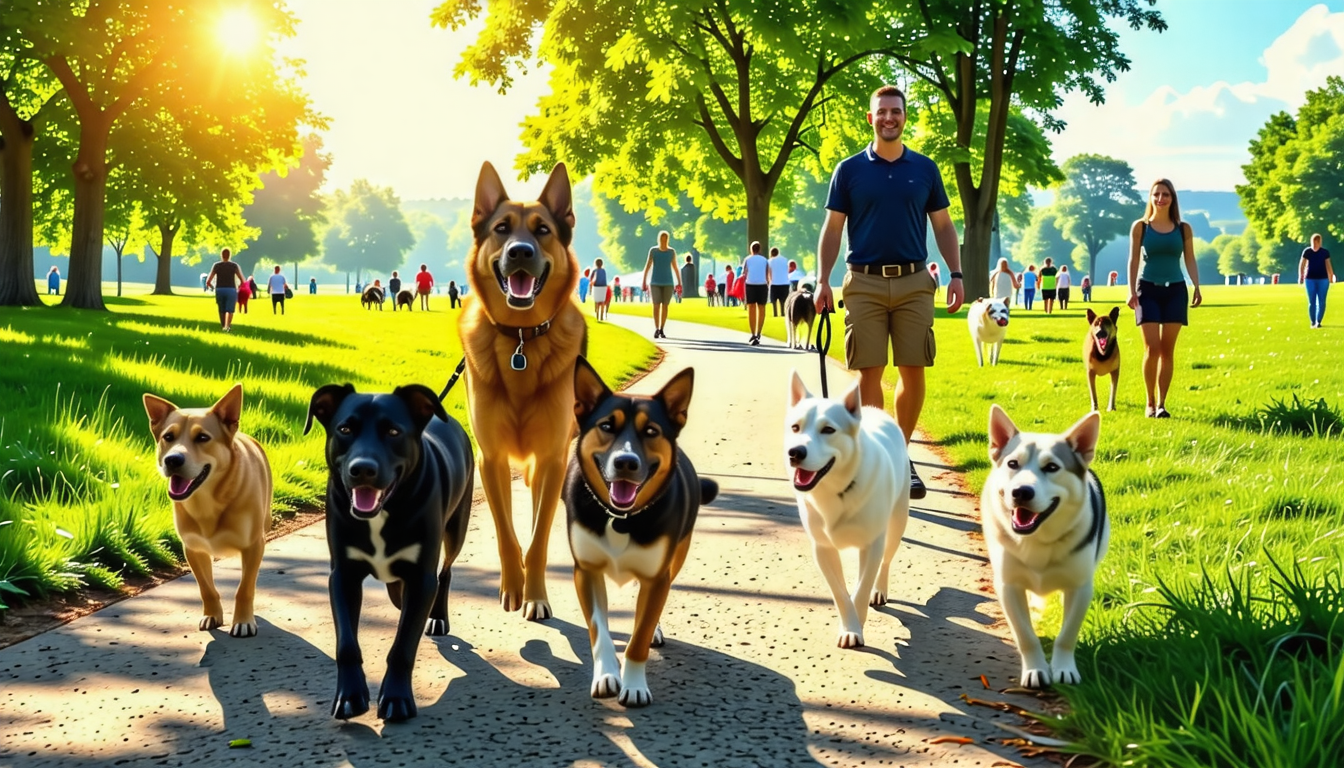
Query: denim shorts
(226, 299)
(1158, 303)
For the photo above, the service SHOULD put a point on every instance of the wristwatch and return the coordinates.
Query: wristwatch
(954, 276)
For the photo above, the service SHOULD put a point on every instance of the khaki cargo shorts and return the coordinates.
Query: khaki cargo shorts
(889, 311)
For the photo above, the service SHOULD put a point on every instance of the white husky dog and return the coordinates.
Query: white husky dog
(1044, 518)
(988, 321)
(851, 475)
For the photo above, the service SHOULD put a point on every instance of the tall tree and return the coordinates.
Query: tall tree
(1097, 203)
(710, 97)
(287, 210)
(1015, 58)
(26, 97)
(366, 230)
(1042, 239)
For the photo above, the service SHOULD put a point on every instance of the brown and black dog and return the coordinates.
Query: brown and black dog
(1101, 353)
(522, 332)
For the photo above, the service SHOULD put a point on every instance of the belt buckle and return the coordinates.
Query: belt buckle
(896, 270)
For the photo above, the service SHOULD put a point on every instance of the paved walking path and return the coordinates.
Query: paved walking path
(750, 675)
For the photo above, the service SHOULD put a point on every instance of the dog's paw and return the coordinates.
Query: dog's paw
(878, 599)
(351, 701)
(1035, 678)
(635, 697)
(537, 610)
(605, 686)
(436, 628)
(850, 640)
(1065, 671)
(211, 622)
(244, 629)
(394, 709)
(658, 641)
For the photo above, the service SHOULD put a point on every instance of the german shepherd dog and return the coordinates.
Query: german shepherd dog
(1101, 353)
(220, 483)
(632, 498)
(800, 308)
(372, 295)
(522, 334)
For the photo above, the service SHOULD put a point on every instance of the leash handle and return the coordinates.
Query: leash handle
(823, 345)
(457, 374)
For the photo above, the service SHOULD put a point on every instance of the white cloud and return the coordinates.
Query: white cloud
(1200, 138)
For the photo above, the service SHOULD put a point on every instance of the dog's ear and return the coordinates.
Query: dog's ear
(157, 409)
(422, 402)
(229, 409)
(589, 389)
(1001, 430)
(1082, 437)
(1091, 316)
(854, 401)
(797, 389)
(324, 404)
(489, 194)
(1115, 314)
(676, 396)
(557, 195)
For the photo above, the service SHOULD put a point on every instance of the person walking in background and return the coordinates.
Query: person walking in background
(244, 295)
(1315, 271)
(795, 276)
(584, 282)
(738, 294)
(1029, 280)
(1157, 290)
(601, 292)
(256, 289)
(617, 294)
(278, 287)
(54, 282)
(779, 282)
(1049, 274)
(1086, 287)
(424, 285)
(393, 288)
(453, 297)
(224, 278)
(1063, 282)
(756, 273)
(885, 198)
(1002, 283)
(728, 285)
(359, 288)
(711, 290)
(312, 286)
(661, 280)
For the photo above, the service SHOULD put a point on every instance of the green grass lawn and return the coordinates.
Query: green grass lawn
(81, 501)
(1198, 650)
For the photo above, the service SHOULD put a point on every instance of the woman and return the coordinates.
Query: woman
(664, 282)
(711, 290)
(1086, 287)
(795, 276)
(54, 281)
(1157, 291)
(1002, 283)
(244, 294)
(1316, 273)
(726, 290)
(453, 301)
(601, 294)
(1062, 285)
(584, 282)
(1029, 279)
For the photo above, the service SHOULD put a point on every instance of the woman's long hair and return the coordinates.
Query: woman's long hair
(1174, 210)
(1003, 266)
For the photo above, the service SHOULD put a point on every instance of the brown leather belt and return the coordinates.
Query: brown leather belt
(890, 270)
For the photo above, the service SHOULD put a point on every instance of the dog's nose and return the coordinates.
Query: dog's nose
(625, 462)
(1023, 493)
(796, 454)
(174, 461)
(521, 251)
(361, 470)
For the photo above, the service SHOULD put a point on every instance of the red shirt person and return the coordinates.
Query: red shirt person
(424, 283)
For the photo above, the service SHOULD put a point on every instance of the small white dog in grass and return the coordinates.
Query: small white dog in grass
(851, 476)
(1044, 519)
(988, 321)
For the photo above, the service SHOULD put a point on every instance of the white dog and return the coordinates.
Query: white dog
(988, 320)
(1044, 519)
(852, 479)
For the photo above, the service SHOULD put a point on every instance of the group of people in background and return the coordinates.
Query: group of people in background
(234, 290)
(1054, 283)
(424, 286)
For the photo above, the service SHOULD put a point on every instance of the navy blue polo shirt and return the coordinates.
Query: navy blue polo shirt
(886, 205)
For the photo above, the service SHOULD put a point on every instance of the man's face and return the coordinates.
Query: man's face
(887, 116)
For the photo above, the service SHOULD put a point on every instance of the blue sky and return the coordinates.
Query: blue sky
(1193, 100)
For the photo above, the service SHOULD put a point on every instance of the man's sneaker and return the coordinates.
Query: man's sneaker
(917, 489)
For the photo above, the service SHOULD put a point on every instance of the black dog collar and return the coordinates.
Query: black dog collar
(524, 334)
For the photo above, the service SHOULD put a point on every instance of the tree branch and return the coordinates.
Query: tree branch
(706, 121)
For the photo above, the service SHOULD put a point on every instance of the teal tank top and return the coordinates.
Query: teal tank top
(1162, 254)
(662, 267)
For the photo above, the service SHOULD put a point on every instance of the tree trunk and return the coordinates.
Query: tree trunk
(977, 235)
(16, 217)
(758, 212)
(163, 276)
(118, 251)
(84, 285)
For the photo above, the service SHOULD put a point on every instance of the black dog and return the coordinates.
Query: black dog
(404, 299)
(632, 498)
(399, 483)
(372, 295)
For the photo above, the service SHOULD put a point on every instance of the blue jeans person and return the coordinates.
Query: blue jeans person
(1317, 288)
(1028, 295)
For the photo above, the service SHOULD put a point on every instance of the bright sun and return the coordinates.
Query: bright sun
(238, 31)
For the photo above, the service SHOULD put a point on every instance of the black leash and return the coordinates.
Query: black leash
(823, 343)
(457, 374)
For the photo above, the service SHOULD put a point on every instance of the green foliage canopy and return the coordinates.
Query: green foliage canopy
(365, 230)
(1097, 203)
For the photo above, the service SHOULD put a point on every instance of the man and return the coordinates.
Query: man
(393, 288)
(224, 278)
(278, 287)
(887, 195)
(424, 283)
(779, 282)
(756, 272)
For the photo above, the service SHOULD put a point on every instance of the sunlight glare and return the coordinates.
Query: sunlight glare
(238, 31)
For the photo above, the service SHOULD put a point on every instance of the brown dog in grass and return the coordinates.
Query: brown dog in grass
(220, 483)
(1101, 353)
(522, 332)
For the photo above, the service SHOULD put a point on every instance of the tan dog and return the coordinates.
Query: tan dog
(522, 332)
(1101, 353)
(220, 484)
